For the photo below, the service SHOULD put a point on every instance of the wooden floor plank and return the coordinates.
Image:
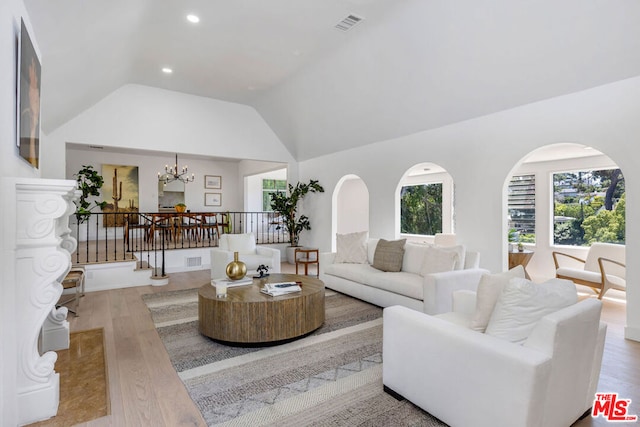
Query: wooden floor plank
(140, 404)
(177, 408)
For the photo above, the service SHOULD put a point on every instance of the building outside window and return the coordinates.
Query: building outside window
(522, 207)
(421, 209)
(589, 207)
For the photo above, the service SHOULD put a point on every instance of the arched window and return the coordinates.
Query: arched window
(425, 196)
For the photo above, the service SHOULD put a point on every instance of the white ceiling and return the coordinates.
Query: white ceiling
(411, 65)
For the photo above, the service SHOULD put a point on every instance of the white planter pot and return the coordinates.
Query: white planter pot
(291, 254)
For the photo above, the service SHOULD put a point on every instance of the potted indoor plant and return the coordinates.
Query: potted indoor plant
(89, 183)
(286, 204)
(180, 207)
(514, 239)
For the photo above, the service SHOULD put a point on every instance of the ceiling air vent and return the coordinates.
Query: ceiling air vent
(349, 22)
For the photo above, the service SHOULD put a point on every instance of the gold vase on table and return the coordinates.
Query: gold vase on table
(236, 269)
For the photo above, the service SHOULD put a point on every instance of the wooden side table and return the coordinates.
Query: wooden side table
(306, 256)
(520, 258)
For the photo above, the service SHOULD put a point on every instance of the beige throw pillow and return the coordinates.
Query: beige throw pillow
(489, 289)
(413, 258)
(388, 255)
(351, 248)
(437, 260)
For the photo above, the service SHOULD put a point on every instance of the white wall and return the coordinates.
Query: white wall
(352, 206)
(253, 188)
(149, 165)
(10, 13)
(141, 117)
(480, 154)
(12, 165)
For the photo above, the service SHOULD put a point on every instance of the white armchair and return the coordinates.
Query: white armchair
(468, 378)
(249, 253)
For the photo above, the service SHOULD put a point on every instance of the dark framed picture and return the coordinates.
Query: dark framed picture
(213, 182)
(213, 199)
(28, 108)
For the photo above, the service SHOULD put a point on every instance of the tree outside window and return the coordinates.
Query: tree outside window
(421, 209)
(271, 186)
(589, 207)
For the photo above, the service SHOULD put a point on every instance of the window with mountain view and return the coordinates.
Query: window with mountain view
(421, 209)
(589, 206)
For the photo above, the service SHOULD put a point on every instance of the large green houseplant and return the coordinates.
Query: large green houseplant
(89, 183)
(286, 204)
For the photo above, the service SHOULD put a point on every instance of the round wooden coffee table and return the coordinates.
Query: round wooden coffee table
(248, 316)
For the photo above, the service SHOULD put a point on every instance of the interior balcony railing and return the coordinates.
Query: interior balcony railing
(125, 236)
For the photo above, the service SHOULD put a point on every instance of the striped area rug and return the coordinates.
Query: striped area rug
(332, 377)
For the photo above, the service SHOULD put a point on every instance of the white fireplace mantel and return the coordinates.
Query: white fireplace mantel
(37, 246)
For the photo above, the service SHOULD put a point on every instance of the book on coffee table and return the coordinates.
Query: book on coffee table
(232, 283)
(280, 288)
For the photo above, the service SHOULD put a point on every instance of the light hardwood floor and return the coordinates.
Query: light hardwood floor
(146, 391)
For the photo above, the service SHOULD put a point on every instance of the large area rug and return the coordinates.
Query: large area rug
(332, 377)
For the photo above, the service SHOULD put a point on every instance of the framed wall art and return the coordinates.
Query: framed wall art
(213, 199)
(213, 181)
(28, 108)
(121, 192)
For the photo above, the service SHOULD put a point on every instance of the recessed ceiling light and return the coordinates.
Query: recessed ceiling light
(167, 70)
(193, 19)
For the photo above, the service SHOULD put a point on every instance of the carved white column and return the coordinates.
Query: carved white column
(55, 331)
(42, 258)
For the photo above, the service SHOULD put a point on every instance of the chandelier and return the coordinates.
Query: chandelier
(171, 174)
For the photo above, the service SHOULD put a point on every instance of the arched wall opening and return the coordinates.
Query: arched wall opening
(542, 164)
(350, 207)
(426, 174)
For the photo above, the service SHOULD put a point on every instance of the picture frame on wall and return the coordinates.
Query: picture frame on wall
(213, 199)
(28, 99)
(213, 182)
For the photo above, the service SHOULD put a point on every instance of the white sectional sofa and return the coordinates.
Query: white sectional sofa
(428, 293)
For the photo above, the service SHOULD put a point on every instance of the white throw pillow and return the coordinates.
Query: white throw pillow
(523, 303)
(242, 243)
(489, 289)
(351, 248)
(458, 249)
(414, 254)
(437, 260)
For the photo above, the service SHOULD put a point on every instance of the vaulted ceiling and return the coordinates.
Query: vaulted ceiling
(408, 66)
